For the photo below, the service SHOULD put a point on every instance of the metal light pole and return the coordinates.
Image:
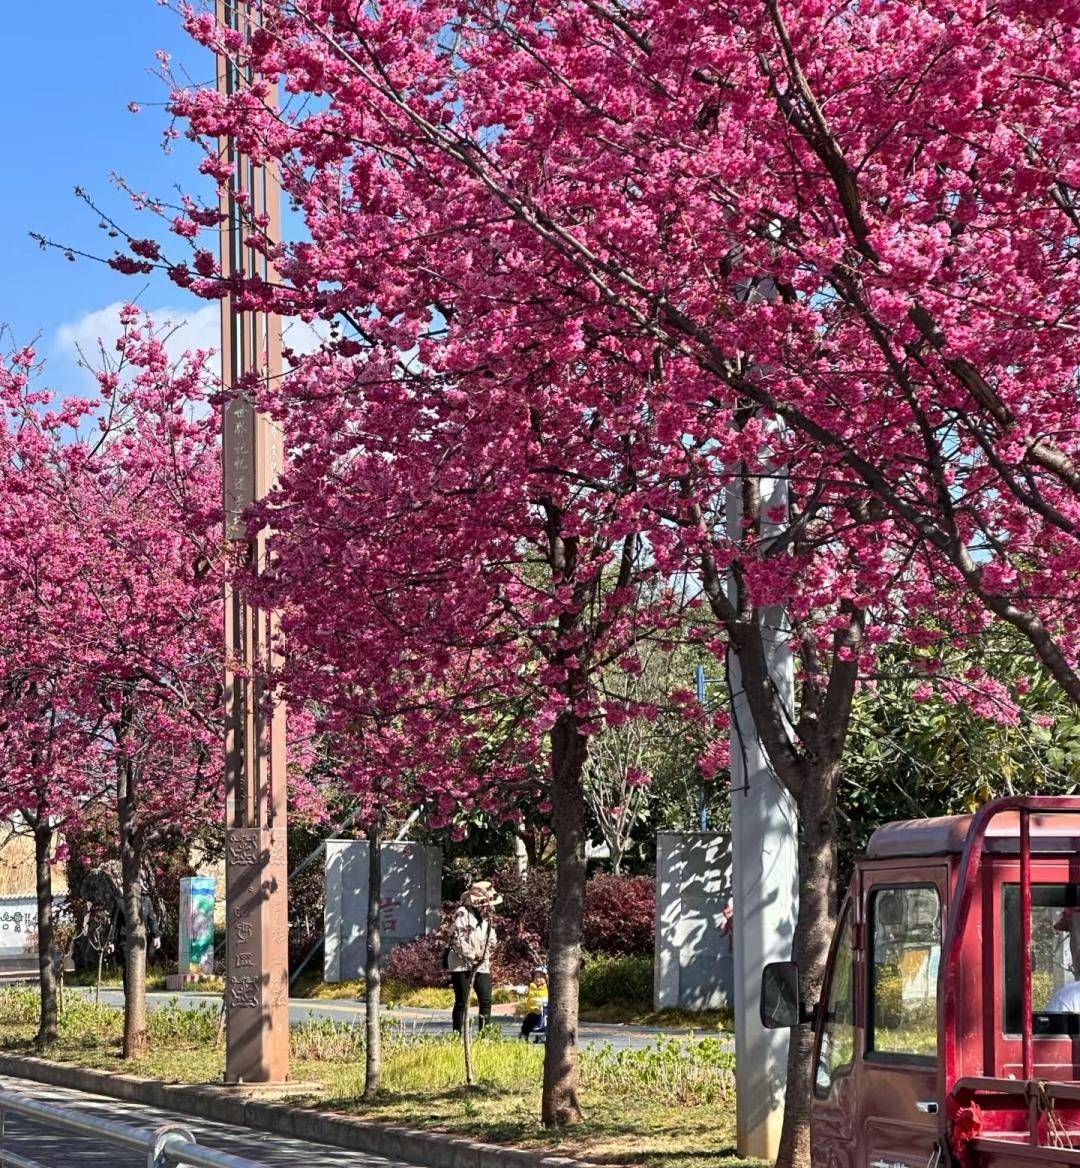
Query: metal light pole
(257, 966)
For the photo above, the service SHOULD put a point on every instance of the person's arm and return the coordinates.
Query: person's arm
(118, 929)
(109, 938)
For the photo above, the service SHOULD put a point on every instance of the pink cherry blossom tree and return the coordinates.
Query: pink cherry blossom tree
(430, 577)
(148, 514)
(49, 739)
(111, 655)
(672, 231)
(674, 183)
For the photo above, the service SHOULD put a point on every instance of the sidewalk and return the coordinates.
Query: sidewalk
(62, 1150)
(271, 1134)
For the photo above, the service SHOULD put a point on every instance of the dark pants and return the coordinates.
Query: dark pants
(530, 1023)
(482, 986)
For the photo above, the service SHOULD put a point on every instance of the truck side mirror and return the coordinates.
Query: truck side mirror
(780, 1006)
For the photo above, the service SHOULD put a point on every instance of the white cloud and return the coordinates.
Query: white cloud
(80, 342)
(304, 338)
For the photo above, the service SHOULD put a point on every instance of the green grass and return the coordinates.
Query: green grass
(642, 1014)
(155, 980)
(671, 1106)
(111, 980)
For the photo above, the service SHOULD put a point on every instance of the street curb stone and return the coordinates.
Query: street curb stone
(225, 1105)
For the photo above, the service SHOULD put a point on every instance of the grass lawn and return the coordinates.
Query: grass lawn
(155, 980)
(642, 1014)
(313, 988)
(669, 1107)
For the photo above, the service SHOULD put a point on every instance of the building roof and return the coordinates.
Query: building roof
(946, 836)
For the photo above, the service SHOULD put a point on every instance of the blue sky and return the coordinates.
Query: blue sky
(70, 69)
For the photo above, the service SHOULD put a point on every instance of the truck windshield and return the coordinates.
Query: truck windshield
(1055, 958)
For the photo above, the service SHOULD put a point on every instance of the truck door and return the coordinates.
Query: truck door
(898, 1073)
(833, 1108)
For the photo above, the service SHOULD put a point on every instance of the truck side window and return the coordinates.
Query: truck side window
(837, 1050)
(905, 925)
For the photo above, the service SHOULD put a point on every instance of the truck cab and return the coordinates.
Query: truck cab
(949, 1025)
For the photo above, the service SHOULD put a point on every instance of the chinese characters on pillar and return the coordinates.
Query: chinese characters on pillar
(257, 863)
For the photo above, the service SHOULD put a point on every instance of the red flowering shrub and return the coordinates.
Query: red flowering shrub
(620, 915)
(518, 954)
(419, 963)
(619, 911)
(618, 923)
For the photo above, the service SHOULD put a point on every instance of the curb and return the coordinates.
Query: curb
(224, 1105)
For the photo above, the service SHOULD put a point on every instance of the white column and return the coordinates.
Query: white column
(764, 878)
(332, 939)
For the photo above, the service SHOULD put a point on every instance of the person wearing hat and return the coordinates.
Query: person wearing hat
(472, 943)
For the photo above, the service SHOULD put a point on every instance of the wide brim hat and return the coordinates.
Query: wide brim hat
(482, 894)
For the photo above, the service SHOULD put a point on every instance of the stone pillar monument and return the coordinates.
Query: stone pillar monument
(257, 970)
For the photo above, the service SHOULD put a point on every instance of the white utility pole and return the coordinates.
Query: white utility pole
(764, 869)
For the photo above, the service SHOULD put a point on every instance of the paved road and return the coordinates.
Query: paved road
(54, 1149)
(410, 1018)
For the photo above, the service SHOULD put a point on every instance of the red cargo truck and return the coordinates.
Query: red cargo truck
(949, 1026)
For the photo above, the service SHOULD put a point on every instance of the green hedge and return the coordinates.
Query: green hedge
(605, 980)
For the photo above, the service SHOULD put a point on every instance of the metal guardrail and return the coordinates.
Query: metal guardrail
(168, 1146)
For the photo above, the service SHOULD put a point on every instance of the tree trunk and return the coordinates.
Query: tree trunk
(373, 965)
(560, 1106)
(813, 935)
(136, 1040)
(49, 1019)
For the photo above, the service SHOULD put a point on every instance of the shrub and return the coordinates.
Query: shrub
(620, 915)
(617, 979)
(619, 922)
(619, 910)
(419, 963)
(516, 956)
